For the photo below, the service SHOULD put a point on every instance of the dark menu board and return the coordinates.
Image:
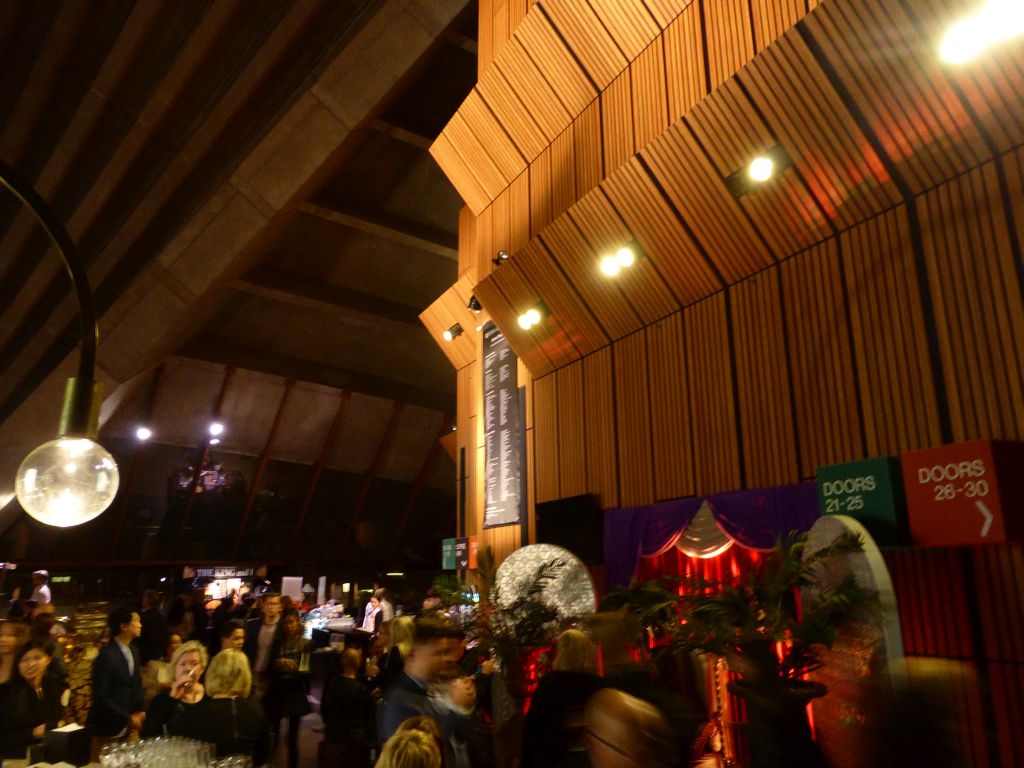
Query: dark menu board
(502, 432)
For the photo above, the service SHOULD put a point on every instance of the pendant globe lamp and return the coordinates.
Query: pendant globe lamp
(72, 479)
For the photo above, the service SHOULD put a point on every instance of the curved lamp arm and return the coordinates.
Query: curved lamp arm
(76, 419)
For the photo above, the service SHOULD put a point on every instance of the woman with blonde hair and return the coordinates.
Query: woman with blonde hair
(188, 662)
(226, 716)
(411, 748)
(553, 729)
(381, 673)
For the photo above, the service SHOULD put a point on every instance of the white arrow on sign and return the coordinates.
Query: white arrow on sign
(989, 517)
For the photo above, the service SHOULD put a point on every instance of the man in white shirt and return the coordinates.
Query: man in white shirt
(40, 588)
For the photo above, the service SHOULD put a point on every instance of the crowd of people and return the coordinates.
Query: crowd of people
(404, 692)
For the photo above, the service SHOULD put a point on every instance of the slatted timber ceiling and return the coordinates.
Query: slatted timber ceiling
(699, 236)
(644, 61)
(452, 308)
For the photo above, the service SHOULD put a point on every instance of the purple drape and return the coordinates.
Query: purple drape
(754, 518)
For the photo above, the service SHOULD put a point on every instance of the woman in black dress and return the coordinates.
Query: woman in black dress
(33, 702)
(187, 664)
(553, 729)
(287, 680)
(226, 716)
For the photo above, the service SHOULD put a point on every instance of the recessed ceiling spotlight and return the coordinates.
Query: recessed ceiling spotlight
(453, 332)
(500, 259)
(613, 263)
(761, 168)
(142, 434)
(764, 167)
(609, 266)
(474, 304)
(532, 316)
(216, 428)
(214, 441)
(995, 22)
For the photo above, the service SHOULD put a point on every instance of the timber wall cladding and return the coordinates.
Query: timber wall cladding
(825, 358)
(859, 140)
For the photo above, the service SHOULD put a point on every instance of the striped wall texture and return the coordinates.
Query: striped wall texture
(868, 301)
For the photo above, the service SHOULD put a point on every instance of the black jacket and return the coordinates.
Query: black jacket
(252, 642)
(116, 693)
(21, 711)
(235, 726)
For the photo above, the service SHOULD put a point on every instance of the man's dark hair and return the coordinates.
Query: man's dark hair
(230, 626)
(430, 628)
(117, 617)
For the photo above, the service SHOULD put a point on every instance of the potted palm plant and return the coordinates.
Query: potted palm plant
(772, 628)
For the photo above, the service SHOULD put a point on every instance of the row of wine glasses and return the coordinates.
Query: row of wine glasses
(167, 752)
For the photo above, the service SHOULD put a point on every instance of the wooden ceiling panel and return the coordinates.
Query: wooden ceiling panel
(730, 40)
(577, 258)
(572, 323)
(534, 279)
(476, 155)
(493, 136)
(542, 42)
(533, 89)
(805, 113)
(649, 91)
(731, 130)
(589, 150)
(459, 173)
(773, 17)
(643, 287)
(504, 295)
(629, 23)
(666, 241)
(588, 38)
(564, 172)
(501, 230)
(664, 11)
(990, 84)
(901, 91)
(684, 62)
(710, 211)
(540, 192)
(519, 213)
(512, 113)
(617, 122)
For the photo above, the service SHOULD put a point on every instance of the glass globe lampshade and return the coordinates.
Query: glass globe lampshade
(67, 481)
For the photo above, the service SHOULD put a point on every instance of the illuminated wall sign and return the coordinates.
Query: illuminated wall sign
(503, 432)
(223, 572)
(957, 494)
(448, 554)
(869, 491)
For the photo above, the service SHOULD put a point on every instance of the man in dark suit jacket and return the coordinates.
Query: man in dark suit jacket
(117, 701)
(263, 638)
(429, 659)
